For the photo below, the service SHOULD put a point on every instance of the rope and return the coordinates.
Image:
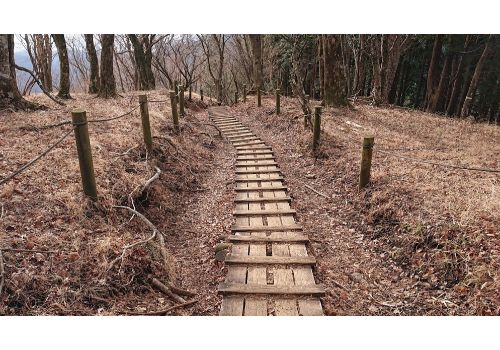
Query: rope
(34, 160)
(158, 101)
(417, 160)
(112, 118)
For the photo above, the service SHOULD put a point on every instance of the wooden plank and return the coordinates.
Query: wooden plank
(236, 274)
(232, 306)
(274, 178)
(238, 288)
(257, 171)
(240, 135)
(259, 260)
(310, 307)
(255, 307)
(256, 158)
(256, 164)
(239, 139)
(236, 228)
(264, 212)
(253, 146)
(288, 239)
(254, 151)
(250, 143)
(263, 188)
(263, 200)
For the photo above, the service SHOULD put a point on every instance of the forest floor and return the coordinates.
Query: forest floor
(44, 209)
(421, 240)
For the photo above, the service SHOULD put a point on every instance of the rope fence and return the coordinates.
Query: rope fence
(80, 123)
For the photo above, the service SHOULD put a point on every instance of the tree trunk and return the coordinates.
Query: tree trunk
(433, 72)
(94, 82)
(436, 99)
(108, 85)
(466, 108)
(10, 97)
(256, 43)
(334, 80)
(62, 52)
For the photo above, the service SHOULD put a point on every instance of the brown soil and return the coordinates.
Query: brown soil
(422, 239)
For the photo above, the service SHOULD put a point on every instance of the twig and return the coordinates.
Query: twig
(166, 290)
(29, 250)
(317, 192)
(122, 255)
(162, 312)
(2, 273)
(385, 304)
(150, 181)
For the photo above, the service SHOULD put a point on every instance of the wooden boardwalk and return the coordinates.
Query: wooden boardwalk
(269, 269)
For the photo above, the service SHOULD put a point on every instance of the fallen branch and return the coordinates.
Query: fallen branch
(317, 192)
(162, 312)
(39, 84)
(130, 246)
(164, 289)
(30, 250)
(150, 181)
(2, 273)
(157, 234)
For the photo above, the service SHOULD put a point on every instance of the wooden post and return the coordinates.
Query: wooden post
(84, 150)
(190, 93)
(181, 100)
(316, 127)
(366, 161)
(235, 97)
(278, 110)
(176, 89)
(245, 93)
(201, 94)
(146, 126)
(175, 116)
(259, 104)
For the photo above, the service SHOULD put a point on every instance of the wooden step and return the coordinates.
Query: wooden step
(274, 178)
(258, 171)
(228, 122)
(244, 139)
(237, 228)
(240, 288)
(263, 212)
(224, 120)
(253, 143)
(263, 188)
(246, 165)
(269, 157)
(263, 200)
(230, 125)
(237, 131)
(265, 239)
(234, 128)
(257, 152)
(269, 260)
(255, 147)
(238, 136)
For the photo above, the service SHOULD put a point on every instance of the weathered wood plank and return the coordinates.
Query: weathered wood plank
(274, 178)
(310, 307)
(237, 288)
(255, 307)
(262, 188)
(264, 212)
(281, 260)
(232, 306)
(287, 239)
(236, 228)
(257, 171)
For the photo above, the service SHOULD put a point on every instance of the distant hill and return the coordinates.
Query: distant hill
(23, 59)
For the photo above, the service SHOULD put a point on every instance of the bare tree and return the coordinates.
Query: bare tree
(94, 82)
(64, 79)
(334, 76)
(256, 42)
(215, 61)
(108, 85)
(10, 96)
